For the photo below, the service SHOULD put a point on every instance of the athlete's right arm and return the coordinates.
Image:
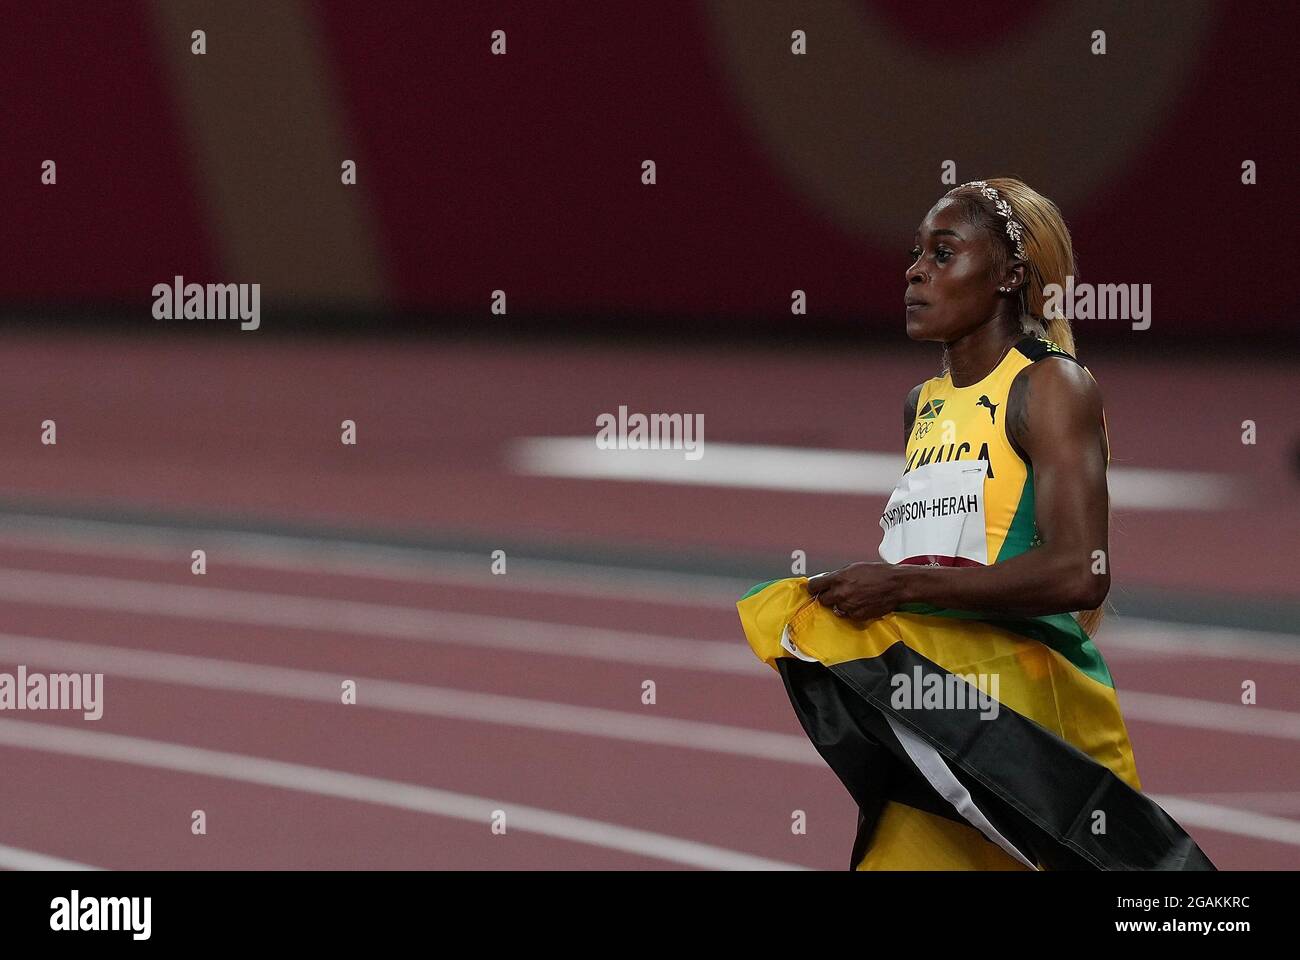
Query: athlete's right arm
(909, 412)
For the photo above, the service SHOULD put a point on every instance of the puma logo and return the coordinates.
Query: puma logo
(984, 401)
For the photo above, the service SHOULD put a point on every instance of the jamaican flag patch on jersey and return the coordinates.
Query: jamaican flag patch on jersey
(930, 410)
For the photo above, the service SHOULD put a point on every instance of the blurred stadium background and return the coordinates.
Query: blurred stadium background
(522, 173)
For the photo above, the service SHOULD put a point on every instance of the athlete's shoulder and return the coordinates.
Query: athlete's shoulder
(1049, 362)
(1057, 386)
(1035, 348)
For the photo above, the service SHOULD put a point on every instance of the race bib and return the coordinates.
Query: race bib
(935, 516)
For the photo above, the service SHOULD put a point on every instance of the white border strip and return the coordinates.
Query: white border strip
(937, 773)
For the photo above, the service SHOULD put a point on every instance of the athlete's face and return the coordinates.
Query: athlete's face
(951, 285)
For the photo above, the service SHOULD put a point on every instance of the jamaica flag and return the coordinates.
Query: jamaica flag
(967, 743)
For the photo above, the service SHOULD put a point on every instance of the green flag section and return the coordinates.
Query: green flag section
(966, 745)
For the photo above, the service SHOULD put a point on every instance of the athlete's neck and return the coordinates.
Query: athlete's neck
(974, 356)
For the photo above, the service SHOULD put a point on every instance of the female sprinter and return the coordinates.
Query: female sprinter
(951, 687)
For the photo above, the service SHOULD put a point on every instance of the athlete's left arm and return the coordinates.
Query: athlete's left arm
(1055, 419)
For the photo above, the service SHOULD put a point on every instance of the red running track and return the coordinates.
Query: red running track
(121, 814)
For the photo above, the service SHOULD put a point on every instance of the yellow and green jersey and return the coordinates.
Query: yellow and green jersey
(967, 515)
(966, 495)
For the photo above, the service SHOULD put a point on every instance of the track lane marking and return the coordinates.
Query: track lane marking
(814, 470)
(419, 699)
(14, 858)
(369, 561)
(160, 755)
(412, 698)
(411, 623)
(360, 618)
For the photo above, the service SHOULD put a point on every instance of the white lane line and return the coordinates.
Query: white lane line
(369, 561)
(368, 619)
(1271, 802)
(1241, 823)
(1164, 639)
(812, 470)
(801, 469)
(490, 708)
(12, 858)
(325, 614)
(410, 698)
(1209, 715)
(1121, 634)
(115, 748)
